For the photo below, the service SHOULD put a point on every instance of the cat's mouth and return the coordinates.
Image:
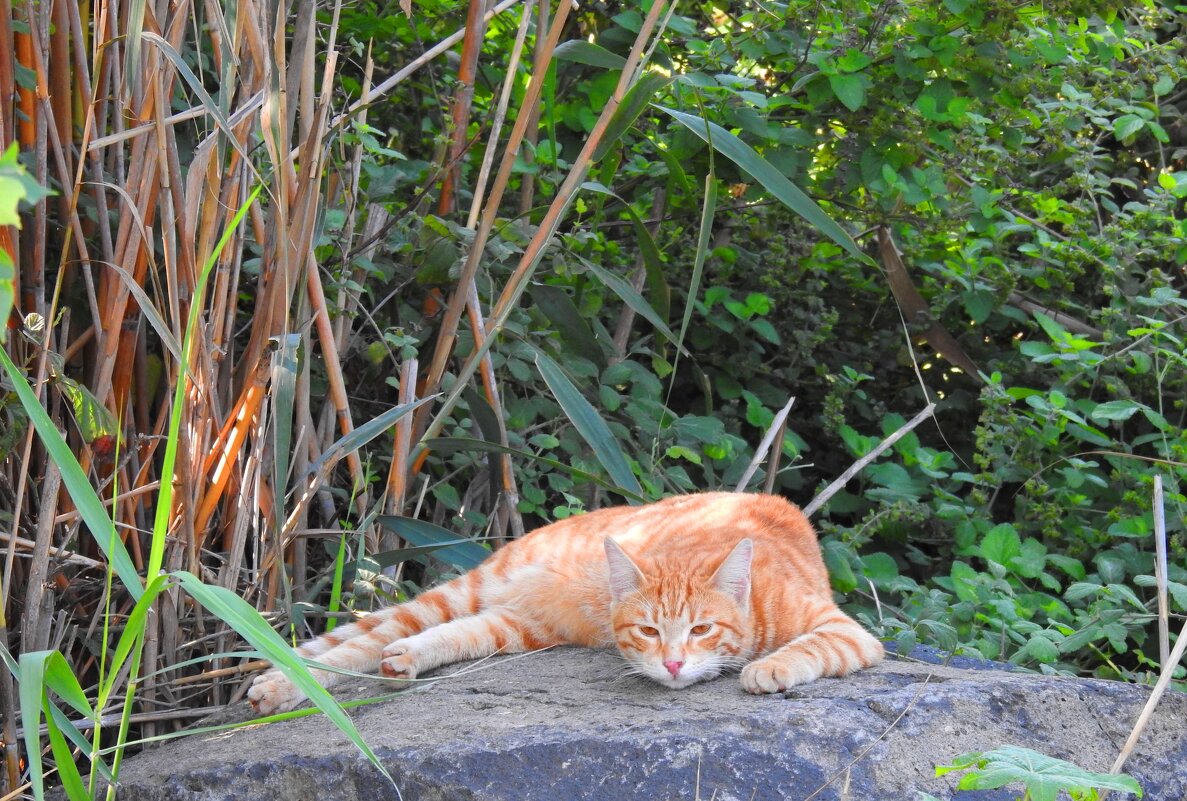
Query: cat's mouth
(684, 678)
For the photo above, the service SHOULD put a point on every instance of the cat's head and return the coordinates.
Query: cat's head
(680, 625)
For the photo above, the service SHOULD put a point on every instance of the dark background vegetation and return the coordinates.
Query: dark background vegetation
(1014, 173)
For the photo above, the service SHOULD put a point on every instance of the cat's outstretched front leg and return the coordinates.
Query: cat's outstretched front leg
(834, 645)
(492, 632)
(356, 647)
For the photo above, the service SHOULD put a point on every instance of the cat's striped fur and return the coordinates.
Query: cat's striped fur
(687, 588)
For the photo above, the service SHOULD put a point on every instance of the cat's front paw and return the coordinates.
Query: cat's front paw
(777, 672)
(399, 661)
(272, 692)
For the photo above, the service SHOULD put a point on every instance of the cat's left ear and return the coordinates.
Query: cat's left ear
(733, 577)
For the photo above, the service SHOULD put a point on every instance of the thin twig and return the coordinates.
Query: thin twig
(862, 754)
(760, 452)
(57, 553)
(835, 487)
(1164, 680)
(1160, 574)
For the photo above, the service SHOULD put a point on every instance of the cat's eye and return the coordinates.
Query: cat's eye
(649, 631)
(701, 629)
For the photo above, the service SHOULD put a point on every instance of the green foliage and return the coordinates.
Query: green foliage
(1025, 163)
(1043, 777)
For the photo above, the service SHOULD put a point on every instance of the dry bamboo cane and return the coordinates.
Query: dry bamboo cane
(516, 284)
(462, 101)
(453, 312)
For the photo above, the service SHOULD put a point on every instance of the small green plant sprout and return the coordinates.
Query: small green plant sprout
(1041, 775)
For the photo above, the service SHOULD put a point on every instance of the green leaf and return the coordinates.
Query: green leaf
(447, 445)
(1115, 410)
(978, 304)
(632, 298)
(251, 626)
(363, 434)
(1042, 776)
(653, 264)
(589, 424)
(91, 509)
(558, 307)
(964, 581)
(849, 89)
(16, 185)
(1127, 125)
(774, 181)
(580, 51)
(879, 567)
(836, 559)
(636, 101)
(428, 537)
(1001, 544)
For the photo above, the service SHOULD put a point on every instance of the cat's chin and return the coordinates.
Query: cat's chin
(661, 676)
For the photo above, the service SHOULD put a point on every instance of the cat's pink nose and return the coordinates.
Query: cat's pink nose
(673, 666)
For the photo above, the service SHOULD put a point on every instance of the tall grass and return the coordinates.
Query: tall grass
(168, 439)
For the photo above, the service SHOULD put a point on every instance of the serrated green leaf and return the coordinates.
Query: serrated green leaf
(1127, 125)
(1043, 777)
(1001, 544)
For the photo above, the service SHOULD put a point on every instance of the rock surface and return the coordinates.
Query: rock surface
(566, 725)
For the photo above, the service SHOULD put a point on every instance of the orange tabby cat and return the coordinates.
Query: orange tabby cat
(687, 588)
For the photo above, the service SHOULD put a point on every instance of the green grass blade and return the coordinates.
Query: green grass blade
(774, 181)
(364, 434)
(335, 602)
(634, 104)
(653, 263)
(463, 554)
(72, 732)
(285, 365)
(156, 554)
(630, 297)
(64, 760)
(698, 265)
(90, 508)
(131, 636)
(248, 624)
(448, 445)
(589, 424)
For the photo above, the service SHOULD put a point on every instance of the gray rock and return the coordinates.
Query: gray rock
(566, 725)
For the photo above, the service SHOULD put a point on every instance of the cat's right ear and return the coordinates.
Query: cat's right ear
(625, 576)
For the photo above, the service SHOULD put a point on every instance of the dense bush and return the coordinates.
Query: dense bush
(1029, 166)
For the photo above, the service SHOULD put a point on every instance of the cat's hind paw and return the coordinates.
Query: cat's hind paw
(776, 673)
(272, 692)
(399, 661)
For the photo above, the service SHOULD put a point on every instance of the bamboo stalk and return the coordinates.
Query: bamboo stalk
(516, 284)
